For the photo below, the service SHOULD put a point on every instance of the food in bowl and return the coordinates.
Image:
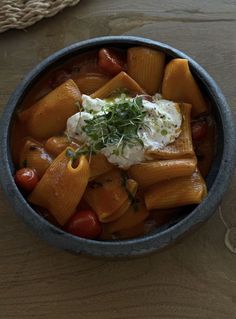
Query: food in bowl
(114, 143)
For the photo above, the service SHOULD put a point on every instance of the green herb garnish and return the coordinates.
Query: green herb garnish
(74, 155)
(118, 125)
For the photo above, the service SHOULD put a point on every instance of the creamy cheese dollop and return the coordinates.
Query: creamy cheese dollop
(161, 126)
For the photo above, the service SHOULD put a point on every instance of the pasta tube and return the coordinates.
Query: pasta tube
(61, 187)
(131, 187)
(147, 174)
(136, 214)
(106, 193)
(120, 81)
(179, 85)
(88, 83)
(146, 67)
(182, 147)
(56, 144)
(98, 165)
(176, 192)
(34, 156)
(48, 116)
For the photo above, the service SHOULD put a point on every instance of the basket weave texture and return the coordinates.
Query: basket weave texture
(20, 14)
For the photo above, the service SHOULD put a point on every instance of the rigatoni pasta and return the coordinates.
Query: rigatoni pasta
(179, 85)
(149, 173)
(106, 194)
(56, 144)
(98, 165)
(121, 81)
(182, 147)
(34, 156)
(61, 187)
(134, 216)
(146, 67)
(131, 188)
(48, 116)
(89, 83)
(176, 192)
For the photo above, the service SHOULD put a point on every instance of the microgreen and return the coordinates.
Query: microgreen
(74, 154)
(117, 125)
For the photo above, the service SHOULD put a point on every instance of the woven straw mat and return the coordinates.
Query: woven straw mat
(20, 14)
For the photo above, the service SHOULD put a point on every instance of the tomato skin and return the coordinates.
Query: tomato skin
(84, 224)
(110, 62)
(199, 130)
(26, 179)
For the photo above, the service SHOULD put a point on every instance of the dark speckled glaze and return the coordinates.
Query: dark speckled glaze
(217, 181)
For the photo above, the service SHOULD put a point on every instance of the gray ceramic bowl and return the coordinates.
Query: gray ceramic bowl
(217, 179)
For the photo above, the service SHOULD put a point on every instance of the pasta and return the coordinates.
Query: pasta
(48, 116)
(179, 85)
(182, 147)
(98, 165)
(120, 81)
(146, 67)
(33, 155)
(176, 192)
(133, 217)
(147, 174)
(106, 193)
(61, 187)
(131, 187)
(88, 83)
(56, 144)
(112, 155)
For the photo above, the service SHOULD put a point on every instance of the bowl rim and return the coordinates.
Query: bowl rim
(128, 247)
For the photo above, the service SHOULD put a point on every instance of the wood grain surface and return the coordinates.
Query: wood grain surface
(194, 279)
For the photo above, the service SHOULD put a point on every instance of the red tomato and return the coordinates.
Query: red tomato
(199, 130)
(84, 224)
(26, 178)
(110, 62)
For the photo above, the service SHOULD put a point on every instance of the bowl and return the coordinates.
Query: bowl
(217, 180)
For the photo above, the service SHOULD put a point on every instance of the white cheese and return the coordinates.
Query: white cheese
(125, 157)
(75, 126)
(161, 126)
(89, 104)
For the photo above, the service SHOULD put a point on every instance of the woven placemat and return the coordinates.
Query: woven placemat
(20, 14)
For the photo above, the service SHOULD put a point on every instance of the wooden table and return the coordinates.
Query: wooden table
(194, 279)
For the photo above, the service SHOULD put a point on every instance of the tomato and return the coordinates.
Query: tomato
(26, 178)
(84, 224)
(110, 62)
(199, 130)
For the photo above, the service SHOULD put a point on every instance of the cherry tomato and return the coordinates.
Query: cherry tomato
(110, 62)
(84, 224)
(26, 178)
(199, 130)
